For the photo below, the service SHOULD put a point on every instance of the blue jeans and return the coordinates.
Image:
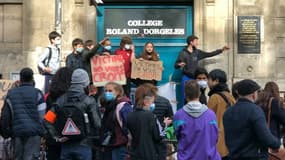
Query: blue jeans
(119, 153)
(27, 148)
(183, 81)
(75, 152)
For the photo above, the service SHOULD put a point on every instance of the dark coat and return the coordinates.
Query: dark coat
(162, 109)
(82, 60)
(89, 106)
(246, 132)
(26, 120)
(145, 135)
(277, 117)
(74, 61)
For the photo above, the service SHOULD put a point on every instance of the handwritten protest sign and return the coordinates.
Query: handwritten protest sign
(5, 85)
(108, 68)
(147, 70)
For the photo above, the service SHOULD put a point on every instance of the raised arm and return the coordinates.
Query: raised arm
(203, 54)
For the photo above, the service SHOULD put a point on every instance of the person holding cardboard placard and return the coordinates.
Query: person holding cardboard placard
(148, 54)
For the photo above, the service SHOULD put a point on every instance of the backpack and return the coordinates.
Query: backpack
(72, 121)
(6, 119)
(45, 62)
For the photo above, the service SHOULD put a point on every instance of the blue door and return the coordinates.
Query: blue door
(166, 26)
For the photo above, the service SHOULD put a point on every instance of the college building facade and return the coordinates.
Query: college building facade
(253, 29)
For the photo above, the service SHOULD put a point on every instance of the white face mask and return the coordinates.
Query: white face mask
(127, 46)
(203, 84)
(58, 42)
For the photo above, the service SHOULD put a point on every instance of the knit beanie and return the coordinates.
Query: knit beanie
(80, 76)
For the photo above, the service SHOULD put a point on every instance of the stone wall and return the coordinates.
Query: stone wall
(11, 31)
(25, 25)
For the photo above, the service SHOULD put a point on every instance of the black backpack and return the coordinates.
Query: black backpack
(45, 62)
(6, 120)
(72, 121)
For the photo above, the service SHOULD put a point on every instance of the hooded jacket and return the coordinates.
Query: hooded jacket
(197, 132)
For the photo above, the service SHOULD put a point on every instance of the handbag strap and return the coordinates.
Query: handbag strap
(269, 112)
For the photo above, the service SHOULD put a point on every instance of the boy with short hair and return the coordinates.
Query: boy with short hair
(75, 59)
(196, 127)
(49, 61)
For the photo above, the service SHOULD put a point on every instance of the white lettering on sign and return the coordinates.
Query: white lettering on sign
(150, 27)
(166, 31)
(118, 31)
(152, 31)
(145, 23)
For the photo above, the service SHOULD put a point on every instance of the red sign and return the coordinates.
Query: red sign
(108, 69)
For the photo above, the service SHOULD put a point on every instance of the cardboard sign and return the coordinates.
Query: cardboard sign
(5, 85)
(108, 69)
(146, 70)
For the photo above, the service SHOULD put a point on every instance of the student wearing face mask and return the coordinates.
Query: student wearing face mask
(127, 51)
(117, 107)
(106, 48)
(75, 59)
(145, 131)
(201, 76)
(49, 61)
(148, 54)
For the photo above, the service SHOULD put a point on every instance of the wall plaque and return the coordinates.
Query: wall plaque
(248, 34)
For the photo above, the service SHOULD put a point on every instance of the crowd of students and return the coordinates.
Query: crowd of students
(241, 123)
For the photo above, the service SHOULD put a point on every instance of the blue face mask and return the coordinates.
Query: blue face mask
(109, 96)
(79, 49)
(108, 48)
(152, 107)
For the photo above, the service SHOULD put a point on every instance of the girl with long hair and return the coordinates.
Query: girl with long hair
(277, 116)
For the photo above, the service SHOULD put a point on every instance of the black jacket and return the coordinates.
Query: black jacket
(162, 109)
(246, 132)
(82, 60)
(145, 135)
(74, 61)
(277, 117)
(191, 60)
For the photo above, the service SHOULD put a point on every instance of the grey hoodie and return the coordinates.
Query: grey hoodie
(195, 108)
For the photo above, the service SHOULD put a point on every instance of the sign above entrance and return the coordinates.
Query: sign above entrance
(145, 22)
